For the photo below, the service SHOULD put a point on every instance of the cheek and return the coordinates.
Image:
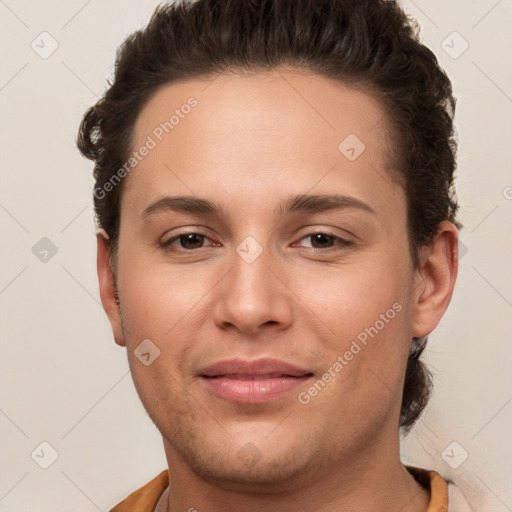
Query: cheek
(353, 296)
(366, 308)
(165, 304)
(364, 366)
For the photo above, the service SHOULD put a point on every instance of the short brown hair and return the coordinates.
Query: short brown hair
(370, 44)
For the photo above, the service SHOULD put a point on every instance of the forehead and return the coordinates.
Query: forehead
(255, 132)
(281, 103)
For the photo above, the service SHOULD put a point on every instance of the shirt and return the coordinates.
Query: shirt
(146, 498)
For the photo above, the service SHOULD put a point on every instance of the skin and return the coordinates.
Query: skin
(252, 141)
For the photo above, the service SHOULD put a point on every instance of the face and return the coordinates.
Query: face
(279, 299)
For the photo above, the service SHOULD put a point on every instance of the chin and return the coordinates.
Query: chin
(241, 465)
(263, 477)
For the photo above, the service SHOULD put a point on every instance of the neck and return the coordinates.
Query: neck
(371, 481)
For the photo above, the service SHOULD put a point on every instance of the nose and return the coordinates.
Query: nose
(253, 295)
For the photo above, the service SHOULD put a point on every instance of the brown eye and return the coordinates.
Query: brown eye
(191, 240)
(321, 240)
(185, 242)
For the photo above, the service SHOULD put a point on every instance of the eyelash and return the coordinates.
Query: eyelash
(341, 242)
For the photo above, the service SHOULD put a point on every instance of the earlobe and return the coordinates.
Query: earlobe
(108, 292)
(436, 274)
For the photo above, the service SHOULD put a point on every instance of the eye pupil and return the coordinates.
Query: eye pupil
(190, 240)
(321, 238)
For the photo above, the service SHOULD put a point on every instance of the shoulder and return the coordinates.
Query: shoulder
(145, 498)
(456, 500)
(445, 496)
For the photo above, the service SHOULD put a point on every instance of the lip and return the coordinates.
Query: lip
(252, 382)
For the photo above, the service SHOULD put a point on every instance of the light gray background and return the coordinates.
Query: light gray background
(65, 382)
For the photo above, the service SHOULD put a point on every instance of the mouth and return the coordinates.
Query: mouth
(254, 377)
(251, 389)
(253, 382)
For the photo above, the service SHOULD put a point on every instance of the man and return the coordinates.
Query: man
(277, 239)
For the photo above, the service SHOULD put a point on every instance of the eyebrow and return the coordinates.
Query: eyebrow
(302, 203)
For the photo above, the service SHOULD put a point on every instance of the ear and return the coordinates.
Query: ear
(107, 286)
(435, 279)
